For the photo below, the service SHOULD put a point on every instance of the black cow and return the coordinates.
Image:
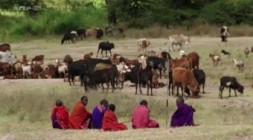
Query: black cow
(92, 62)
(139, 77)
(157, 63)
(69, 36)
(77, 68)
(81, 33)
(105, 46)
(100, 33)
(231, 83)
(200, 77)
(109, 75)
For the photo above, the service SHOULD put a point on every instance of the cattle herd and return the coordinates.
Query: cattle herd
(143, 71)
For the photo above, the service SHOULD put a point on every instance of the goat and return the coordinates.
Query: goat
(216, 59)
(238, 64)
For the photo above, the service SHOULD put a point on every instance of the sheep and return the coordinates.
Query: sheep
(216, 59)
(238, 64)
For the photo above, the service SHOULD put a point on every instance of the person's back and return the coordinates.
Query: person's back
(59, 116)
(140, 117)
(183, 116)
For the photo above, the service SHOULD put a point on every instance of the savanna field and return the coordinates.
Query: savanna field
(26, 103)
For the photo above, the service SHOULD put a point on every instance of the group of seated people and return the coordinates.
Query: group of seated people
(103, 116)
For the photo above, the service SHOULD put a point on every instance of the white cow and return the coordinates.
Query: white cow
(178, 40)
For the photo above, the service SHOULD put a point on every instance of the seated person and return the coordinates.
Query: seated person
(80, 117)
(110, 121)
(140, 117)
(59, 116)
(98, 113)
(183, 116)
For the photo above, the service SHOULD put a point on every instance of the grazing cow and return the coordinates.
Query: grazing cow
(225, 52)
(100, 33)
(101, 76)
(246, 52)
(38, 59)
(81, 33)
(5, 47)
(231, 83)
(216, 59)
(178, 40)
(224, 33)
(194, 59)
(143, 43)
(139, 77)
(238, 64)
(184, 77)
(105, 46)
(69, 36)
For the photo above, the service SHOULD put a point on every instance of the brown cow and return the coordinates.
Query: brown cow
(183, 62)
(184, 77)
(91, 32)
(5, 47)
(194, 57)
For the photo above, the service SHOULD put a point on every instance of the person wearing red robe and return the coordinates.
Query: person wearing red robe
(141, 118)
(80, 117)
(59, 115)
(110, 121)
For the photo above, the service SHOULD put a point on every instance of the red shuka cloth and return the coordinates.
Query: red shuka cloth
(140, 118)
(79, 116)
(110, 122)
(60, 117)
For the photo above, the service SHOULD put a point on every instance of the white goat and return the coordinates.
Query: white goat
(238, 64)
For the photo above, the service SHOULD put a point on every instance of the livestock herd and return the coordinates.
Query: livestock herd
(144, 70)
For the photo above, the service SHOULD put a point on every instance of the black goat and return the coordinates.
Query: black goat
(225, 52)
